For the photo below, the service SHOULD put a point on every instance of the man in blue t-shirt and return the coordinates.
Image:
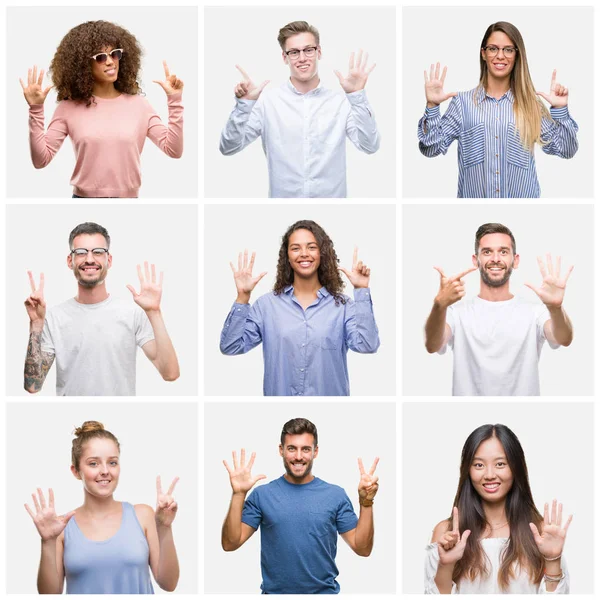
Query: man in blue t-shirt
(300, 516)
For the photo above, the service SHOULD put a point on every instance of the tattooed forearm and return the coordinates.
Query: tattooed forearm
(37, 363)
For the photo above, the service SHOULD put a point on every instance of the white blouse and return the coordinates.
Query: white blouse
(493, 548)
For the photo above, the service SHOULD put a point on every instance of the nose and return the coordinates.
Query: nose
(489, 472)
(298, 454)
(303, 251)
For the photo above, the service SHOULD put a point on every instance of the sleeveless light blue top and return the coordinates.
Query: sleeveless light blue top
(118, 565)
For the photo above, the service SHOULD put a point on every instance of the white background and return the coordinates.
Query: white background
(555, 38)
(448, 240)
(160, 234)
(257, 427)
(156, 439)
(256, 49)
(260, 228)
(558, 445)
(165, 33)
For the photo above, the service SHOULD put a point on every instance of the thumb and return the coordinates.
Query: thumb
(536, 533)
(68, 516)
(260, 276)
(45, 92)
(262, 86)
(339, 76)
(451, 95)
(161, 83)
(544, 96)
(465, 536)
(258, 478)
(344, 271)
(531, 287)
(132, 290)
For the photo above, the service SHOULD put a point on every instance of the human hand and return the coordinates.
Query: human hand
(552, 290)
(33, 91)
(452, 289)
(166, 505)
(367, 486)
(451, 546)
(170, 84)
(559, 94)
(35, 304)
(48, 523)
(150, 291)
(552, 539)
(240, 476)
(357, 73)
(244, 282)
(360, 275)
(246, 89)
(434, 86)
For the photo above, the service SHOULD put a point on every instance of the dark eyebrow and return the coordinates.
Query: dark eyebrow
(97, 457)
(305, 47)
(501, 248)
(497, 458)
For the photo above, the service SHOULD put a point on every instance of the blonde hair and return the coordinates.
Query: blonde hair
(528, 108)
(88, 431)
(293, 28)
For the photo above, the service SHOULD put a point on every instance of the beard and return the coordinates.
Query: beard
(293, 475)
(495, 282)
(90, 283)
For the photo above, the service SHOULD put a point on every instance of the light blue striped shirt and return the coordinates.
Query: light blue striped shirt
(492, 163)
(304, 351)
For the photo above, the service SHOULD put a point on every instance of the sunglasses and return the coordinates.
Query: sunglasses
(102, 57)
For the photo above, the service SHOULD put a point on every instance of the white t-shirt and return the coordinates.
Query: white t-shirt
(95, 346)
(497, 346)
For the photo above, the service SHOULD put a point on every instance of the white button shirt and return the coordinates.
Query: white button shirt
(303, 137)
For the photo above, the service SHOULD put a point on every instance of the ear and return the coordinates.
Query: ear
(75, 472)
(70, 261)
(285, 57)
(475, 261)
(318, 52)
(280, 450)
(109, 261)
(516, 263)
(316, 452)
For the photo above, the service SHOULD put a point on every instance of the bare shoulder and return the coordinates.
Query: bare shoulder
(440, 529)
(144, 513)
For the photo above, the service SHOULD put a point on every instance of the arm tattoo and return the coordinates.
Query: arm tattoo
(37, 363)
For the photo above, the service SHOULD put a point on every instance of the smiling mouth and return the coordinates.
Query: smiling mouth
(110, 71)
(305, 263)
(303, 67)
(89, 269)
(103, 481)
(491, 487)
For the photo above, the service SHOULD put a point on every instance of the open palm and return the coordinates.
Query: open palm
(48, 523)
(552, 290)
(551, 535)
(240, 476)
(34, 91)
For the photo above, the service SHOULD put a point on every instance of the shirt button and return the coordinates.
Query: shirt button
(301, 370)
(303, 345)
(497, 172)
(239, 309)
(497, 191)
(496, 137)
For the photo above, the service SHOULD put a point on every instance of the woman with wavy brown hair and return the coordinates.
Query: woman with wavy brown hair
(306, 324)
(96, 72)
(495, 540)
(498, 123)
(104, 546)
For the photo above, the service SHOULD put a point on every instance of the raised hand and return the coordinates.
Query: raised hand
(357, 73)
(48, 523)
(150, 291)
(452, 289)
(434, 86)
(451, 546)
(360, 274)
(559, 94)
(550, 539)
(244, 282)
(367, 486)
(171, 84)
(247, 89)
(240, 476)
(552, 290)
(34, 92)
(166, 506)
(35, 304)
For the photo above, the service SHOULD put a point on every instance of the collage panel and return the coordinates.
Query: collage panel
(309, 283)
(100, 283)
(466, 98)
(111, 493)
(300, 507)
(105, 78)
(310, 90)
(513, 319)
(526, 463)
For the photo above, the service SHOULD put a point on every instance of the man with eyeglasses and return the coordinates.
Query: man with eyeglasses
(304, 126)
(94, 337)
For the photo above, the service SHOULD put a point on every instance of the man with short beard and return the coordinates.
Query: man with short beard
(497, 338)
(300, 516)
(94, 337)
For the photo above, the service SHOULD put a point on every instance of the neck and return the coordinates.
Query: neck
(305, 86)
(495, 87)
(306, 479)
(495, 294)
(105, 90)
(98, 506)
(308, 286)
(93, 295)
(495, 512)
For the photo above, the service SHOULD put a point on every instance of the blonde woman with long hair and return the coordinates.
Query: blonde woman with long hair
(498, 124)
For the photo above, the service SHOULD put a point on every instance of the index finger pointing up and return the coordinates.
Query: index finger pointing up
(31, 281)
(455, 519)
(355, 256)
(246, 76)
(172, 486)
(553, 80)
(158, 485)
(374, 466)
(166, 68)
(361, 467)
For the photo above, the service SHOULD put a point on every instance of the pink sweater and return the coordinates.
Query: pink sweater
(108, 137)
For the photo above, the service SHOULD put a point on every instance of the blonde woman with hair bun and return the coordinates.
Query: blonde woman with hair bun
(104, 546)
(498, 123)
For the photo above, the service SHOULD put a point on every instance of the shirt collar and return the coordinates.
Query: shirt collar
(322, 292)
(318, 90)
(482, 95)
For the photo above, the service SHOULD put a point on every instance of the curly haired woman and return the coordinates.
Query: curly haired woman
(306, 324)
(101, 108)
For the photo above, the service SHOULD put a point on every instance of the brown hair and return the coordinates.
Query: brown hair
(528, 108)
(71, 66)
(297, 427)
(494, 228)
(88, 431)
(293, 28)
(329, 276)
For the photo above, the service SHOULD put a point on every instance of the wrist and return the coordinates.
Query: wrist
(153, 312)
(431, 104)
(439, 304)
(553, 309)
(241, 495)
(163, 526)
(51, 541)
(365, 502)
(36, 326)
(243, 298)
